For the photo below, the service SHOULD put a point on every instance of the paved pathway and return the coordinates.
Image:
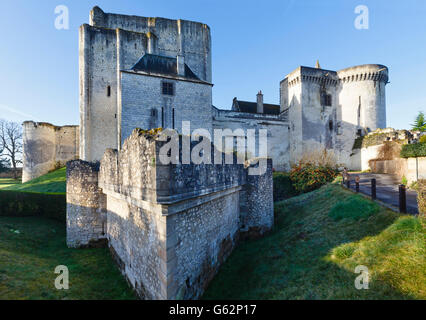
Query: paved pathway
(386, 189)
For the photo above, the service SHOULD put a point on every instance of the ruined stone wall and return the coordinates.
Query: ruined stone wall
(277, 132)
(86, 215)
(169, 226)
(259, 197)
(47, 147)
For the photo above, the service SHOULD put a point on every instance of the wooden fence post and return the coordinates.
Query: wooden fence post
(373, 189)
(402, 199)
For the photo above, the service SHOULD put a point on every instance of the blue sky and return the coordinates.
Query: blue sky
(254, 45)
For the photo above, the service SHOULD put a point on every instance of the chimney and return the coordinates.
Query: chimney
(151, 42)
(180, 65)
(260, 102)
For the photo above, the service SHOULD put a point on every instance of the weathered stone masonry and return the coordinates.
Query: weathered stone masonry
(47, 147)
(86, 214)
(169, 227)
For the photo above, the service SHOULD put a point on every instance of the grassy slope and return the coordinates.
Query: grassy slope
(312, 253)
(53, 182)
(28, 260)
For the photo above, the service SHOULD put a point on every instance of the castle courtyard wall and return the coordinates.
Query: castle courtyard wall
(277, 132)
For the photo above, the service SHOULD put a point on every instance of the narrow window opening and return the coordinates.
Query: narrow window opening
(162, 117)
(109, 91)
(331, 125)
(173, 118)
(328, 100)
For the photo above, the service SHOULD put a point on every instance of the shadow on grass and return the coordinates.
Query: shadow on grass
(293, 261)
(31, 248)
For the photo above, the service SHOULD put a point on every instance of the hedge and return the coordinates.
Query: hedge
(283, 186)
(26, 204)
(413, 150)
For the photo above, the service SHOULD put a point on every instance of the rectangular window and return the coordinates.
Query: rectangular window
(328, 100)
(168, 88)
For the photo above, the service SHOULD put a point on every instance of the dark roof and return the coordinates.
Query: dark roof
(251, 107)
(166, 66)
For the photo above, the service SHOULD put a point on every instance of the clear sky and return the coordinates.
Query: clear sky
(254, 45)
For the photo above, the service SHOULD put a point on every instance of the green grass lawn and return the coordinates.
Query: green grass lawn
(52, 182)
(318, 240)
(31, 248)
(6, 182)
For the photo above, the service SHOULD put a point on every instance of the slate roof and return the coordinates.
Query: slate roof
(251, 107)
(167, 66)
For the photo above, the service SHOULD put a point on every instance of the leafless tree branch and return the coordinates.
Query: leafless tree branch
(11, 143)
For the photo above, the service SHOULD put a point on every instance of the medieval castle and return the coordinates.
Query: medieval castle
(170, 226)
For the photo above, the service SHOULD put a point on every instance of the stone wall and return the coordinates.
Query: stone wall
(86, 215)
(277, 132)
(413, 169)
(169, 226)
(47, 147)
(144, 106)
(259, 197)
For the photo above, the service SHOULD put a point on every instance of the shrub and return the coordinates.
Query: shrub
(26, 204)
(354, 208)
(389, 150)
(422, 139)
(413, 150)
(319, 157)
(308, 177)
(283, 186)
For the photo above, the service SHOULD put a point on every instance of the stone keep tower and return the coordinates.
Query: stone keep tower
(111, 43)
(331, 109)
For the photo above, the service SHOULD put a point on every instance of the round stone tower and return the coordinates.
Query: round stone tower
(46, 147)
(362, 96)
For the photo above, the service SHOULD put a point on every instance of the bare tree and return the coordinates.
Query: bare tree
(11, 143)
